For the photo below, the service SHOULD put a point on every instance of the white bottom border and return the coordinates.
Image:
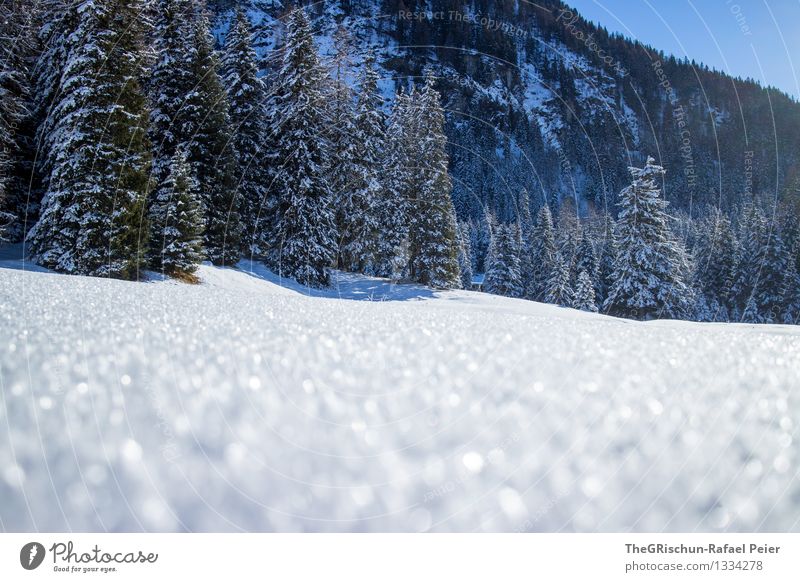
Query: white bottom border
(402, 557)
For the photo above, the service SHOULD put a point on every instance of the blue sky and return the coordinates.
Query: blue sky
(746, 38)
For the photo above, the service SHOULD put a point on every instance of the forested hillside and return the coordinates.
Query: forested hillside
(417, 141)
(538, 98)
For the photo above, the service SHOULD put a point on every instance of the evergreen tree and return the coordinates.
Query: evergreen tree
(359, 221)
(768, 293)
(190, 110)
(170, 83)
(246, 98)
(343, 155)
(503, 275)
(559, 290)
(526, 233)
(306, 230)
(481, 237)
(6, 218)
(648, 273)
(211, 150)
(394, 203)
(606, 260)
(584, 293)
(16, 55)
(791, 292)
(750, 313)
(715, 259)
(172, 124)
(752, 239)
(92, 218)
(56, 21)
(585, 260)
(568, 234)
(433, 236)
(543, 255)
(179, 238)
(465, 255)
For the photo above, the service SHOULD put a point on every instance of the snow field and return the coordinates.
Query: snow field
(241, 404)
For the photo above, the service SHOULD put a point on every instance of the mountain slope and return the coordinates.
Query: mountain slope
(538, 98)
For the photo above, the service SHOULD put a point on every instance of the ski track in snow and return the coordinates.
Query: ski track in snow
(243, 404)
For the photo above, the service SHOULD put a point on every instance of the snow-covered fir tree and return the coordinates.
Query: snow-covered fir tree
(715, 253)
(211, 149)
(92, 219)
(433, 236)
(359, 209)
(559, 289)
(503, 276)
(342, 155)
(189, 108)
(750, 313)
(172, 125)
(6, 218)
(584, 298)
(17, 40)
(568, 233)
(56, 23)
(178, 239)
(606, 258)
(791, 290)
(170, 82)
(480, 238)
(752, 239)
(526, 235)
(543, 255)
(246, 98)
(650, 264)
(585, 259)
(465, 255)
(10, 114)
(391, 258)
(768, 292)
(306, 229)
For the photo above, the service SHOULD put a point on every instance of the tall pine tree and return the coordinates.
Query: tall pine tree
(342, 146)
(584, 298)
(306, 229)
(648, 273)
(526, 234)
(543, 255)
(769, 290)
(211, 149)
(394, 204)
(585, 259)
(503, 274)
(179, 238)
(791, 291)
(247, 105)
(433, 236)
(559, 289)
(465, 255)
(92, 218)
(18, 20)
(607, 257)
(752, 239)
(359, 212)
(715, 253)
(190, 110)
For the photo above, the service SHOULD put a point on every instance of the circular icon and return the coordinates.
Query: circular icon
(31, 555)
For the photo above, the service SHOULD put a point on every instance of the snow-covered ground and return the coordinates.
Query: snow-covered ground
(244, 404)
